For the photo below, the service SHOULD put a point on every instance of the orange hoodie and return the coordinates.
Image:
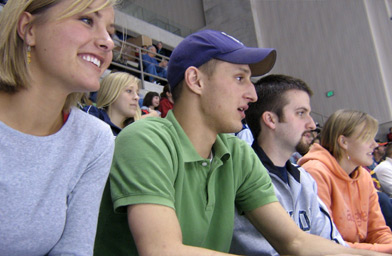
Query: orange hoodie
(352, 202)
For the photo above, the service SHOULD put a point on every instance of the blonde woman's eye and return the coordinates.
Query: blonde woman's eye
(87, 20)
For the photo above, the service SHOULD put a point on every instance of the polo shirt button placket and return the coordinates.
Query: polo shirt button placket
(204, 164)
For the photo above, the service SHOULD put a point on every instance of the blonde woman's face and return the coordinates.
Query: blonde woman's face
(359, 150)
(72, 53)
(126, 104)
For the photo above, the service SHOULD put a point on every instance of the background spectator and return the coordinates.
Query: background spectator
(161, 50)
(389, 135)
(378, 154)
(384, 172)
(245, 134)
(166, 102)
(151, 103)
(152, 66)
(383, 198)
(117, 100)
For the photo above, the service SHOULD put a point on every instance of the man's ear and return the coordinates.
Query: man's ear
(25, 29)
(342, 141)
(269, 119)
(192, 79)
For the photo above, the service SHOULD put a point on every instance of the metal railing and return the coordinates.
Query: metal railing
(128, 57)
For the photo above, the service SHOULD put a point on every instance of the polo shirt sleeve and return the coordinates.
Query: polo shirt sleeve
(255, 188)
(143, 170)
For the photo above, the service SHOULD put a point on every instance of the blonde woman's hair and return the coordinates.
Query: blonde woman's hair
(14, 75)
(346, 122)
(112, 86)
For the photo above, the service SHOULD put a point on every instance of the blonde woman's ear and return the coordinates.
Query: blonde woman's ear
(342, 141)
(25, 29)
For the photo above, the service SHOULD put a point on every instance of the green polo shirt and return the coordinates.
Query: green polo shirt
(155, 162)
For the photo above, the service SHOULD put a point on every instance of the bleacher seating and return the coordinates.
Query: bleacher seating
(127, 57)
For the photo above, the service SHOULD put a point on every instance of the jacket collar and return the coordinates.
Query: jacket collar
(292, 169)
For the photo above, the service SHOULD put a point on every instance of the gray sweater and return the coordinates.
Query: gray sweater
(51, 187)
(298, 196)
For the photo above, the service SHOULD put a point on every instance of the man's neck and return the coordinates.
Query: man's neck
(275, 153)
(201, 137)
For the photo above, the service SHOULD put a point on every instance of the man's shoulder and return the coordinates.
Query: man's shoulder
(233, 143)
(383, 165)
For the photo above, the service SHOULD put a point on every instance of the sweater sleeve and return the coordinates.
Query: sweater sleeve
(83, 202)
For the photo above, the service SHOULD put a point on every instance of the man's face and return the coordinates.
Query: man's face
(305, 142)
(296, 120)
(381, 150)
(226, 95)
(153, 52)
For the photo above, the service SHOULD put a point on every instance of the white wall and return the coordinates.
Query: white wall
(331, 46)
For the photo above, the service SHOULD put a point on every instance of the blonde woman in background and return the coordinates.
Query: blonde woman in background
(346, 188)
(117, 101)
(53, 169)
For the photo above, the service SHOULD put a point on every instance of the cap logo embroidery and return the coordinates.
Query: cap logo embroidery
(233, 38)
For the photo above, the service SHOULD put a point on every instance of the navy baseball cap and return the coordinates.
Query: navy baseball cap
(200, 47)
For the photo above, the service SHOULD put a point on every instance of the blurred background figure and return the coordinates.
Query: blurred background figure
(384, 171)
(166, 102)
(152, 66)
(389, 135)
(378, 154)
(151, 104)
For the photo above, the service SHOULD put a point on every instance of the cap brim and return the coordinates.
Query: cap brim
(260, 60)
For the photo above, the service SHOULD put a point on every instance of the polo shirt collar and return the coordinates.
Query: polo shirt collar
(190, 154)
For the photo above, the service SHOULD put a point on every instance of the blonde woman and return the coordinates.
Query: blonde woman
(347, 144)
(117, 100)
(53, 168)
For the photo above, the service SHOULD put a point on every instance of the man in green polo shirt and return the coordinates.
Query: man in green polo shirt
(175, 182)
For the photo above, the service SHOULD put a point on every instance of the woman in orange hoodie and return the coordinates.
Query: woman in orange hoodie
(347, 144)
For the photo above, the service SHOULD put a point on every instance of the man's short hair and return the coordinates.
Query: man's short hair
(271, 97)
(207, 68)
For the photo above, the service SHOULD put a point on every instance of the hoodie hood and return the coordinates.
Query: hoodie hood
(318, 153)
